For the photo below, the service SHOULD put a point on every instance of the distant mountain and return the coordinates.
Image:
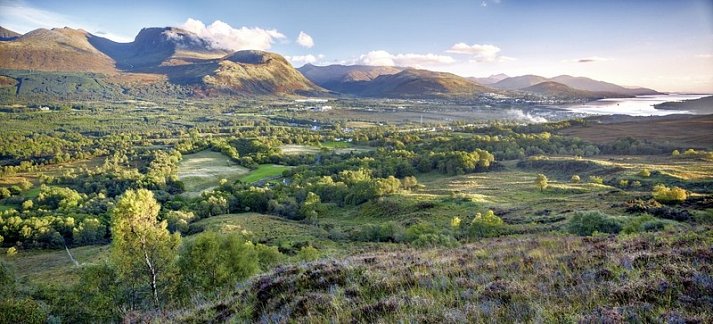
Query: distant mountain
(489, 80)
(172, 59)
(6, 34)
(561, 91)
(341, 78)
(601, 88)
(414, 83)
(518, 82)
(391, 82)
(588, 84)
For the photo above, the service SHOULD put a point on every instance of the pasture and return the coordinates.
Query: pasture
(203, 171)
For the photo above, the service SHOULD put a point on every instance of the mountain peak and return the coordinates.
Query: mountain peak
(6, 34)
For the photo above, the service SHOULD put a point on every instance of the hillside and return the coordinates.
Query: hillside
(333, 75)
(588, 84)
(702, 105)
(526, 279)
(6, 34)
(558, 90)
(58, 49)
(413, 83)
(519, 82)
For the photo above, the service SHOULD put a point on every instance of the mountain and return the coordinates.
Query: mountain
(58, 49)
(559, 90)
(518, 82)
(414, 83)
(339, 78)
(154, 47)
(601, 88)
(489, 80)
(588, 84)
(6, 34)
(163, 61)
(391, 82)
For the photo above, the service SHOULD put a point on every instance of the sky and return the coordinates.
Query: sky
(664, 45)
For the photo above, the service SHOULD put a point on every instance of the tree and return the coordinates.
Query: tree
(576, 179)
(675, 153)
(541, 181)
(665, 194)
(645, 173)
(142, 248)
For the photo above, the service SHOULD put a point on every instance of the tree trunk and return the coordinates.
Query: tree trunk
(152, 275)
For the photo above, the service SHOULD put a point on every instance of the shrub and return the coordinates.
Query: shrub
(595, 179)
(645, 173)
(21, 311)
(623, 183)
(308, 253)
(488, 225)
(669, 195)
(588, 222)
(427, 235)
(675, 153)
(645, 223)
(575, 179)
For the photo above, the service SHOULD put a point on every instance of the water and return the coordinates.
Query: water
(636, 106)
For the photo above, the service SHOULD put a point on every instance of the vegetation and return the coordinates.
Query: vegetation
(250, 210)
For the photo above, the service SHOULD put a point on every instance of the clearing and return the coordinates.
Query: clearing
(203, 171)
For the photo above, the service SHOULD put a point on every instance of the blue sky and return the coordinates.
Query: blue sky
(666, 45)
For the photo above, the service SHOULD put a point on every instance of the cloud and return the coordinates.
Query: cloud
(589, 59)
(704, 56)
(224, 36)
(480, 52)
(305, 40)
(384, 58)
(304, 59)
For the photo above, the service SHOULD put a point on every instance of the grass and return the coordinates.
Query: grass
(54, 266)
(263, 228)
(295, 149)
(533, 278)
(335, 144)
(262, 172)
(203, 171)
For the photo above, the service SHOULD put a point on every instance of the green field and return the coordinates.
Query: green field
(262, 172)
(203, 171)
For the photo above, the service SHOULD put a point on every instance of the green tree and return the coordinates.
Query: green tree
(645, 173)
(541, 181)
(576, 179)
(142, 249)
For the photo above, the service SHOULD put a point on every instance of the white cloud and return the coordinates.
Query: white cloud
(222, 35)
(304, 59)
(589, 59)
(305, 40)
(480, 52)
(384, 58)
(704, 56)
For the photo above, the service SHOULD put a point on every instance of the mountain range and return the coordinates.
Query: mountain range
(69, 62)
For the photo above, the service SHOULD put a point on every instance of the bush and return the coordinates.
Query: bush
(488, 225)
(21, 311)
(427, 235)
(669, 195)
(645, 223)
(645, 173)
(595, 179)
(586, 223)
(576, 179)
(308, 253)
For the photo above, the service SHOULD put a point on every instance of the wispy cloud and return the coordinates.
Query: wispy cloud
(480, 52)
(305, 40)
(704, 56)
(22, 18)
(384, 58)
(224, 36)
(589, 59)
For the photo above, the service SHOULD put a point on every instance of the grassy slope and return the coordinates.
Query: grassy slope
(529, 278)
